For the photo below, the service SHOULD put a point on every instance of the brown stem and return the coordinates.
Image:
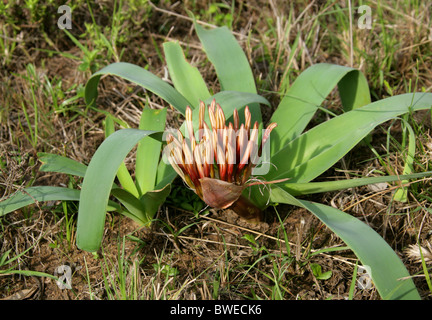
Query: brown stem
(247, 210)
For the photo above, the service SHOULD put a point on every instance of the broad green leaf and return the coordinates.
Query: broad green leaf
(308, 92)
(388, 273)
(132, 204)
(97, 184)
(149, 149)
(165, 174)
(152, 200)
(139, 76)
(60, 164)
(354, 90)
(230, 62)
(186, 79)
(123, 174)
(297, 189)
(315, 151)
(30, 195)
(228, 58)
(141, 210)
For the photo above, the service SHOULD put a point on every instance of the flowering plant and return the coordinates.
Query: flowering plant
(218, 167)
(297, 156)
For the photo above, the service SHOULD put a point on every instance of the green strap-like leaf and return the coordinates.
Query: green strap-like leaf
(123, 175)
(30, 195)
(149, 149)
(97, 184)
(354, 90)
(60, 164)
(132, 204)
(139, 76)
(315, 151)
(388, 273)
(165, 174)
(297, 189)
(231, 64)
(153, 199)
(308, 92)
(186, 79)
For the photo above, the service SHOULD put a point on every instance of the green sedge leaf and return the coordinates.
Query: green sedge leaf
(132, 204)
(149, 149)
(30, 195)
(308, 92)
(123, 174)
(98, 182)
(186, 79)
(230, 62)
(298, 189)
(315, 151)
(60, 164)
(139, 76)
(388, 273)
(153, 199)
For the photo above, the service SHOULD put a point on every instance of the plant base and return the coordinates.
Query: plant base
(247, 210)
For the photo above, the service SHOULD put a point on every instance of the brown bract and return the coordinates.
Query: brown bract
(220, 194)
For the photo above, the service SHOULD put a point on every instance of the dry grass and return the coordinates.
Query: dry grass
(217, 256)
